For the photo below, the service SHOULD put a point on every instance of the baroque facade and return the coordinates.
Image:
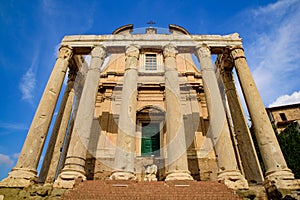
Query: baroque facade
(145, 109)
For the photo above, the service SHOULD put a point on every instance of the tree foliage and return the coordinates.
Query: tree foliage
(289, 141)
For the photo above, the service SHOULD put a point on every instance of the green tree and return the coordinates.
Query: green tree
(289, 141)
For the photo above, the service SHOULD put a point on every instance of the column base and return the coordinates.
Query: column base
(122, 175)
(284, 174)
(179, 175)
(233, 179)
(67, 179)
(280, 183)
(20, 177)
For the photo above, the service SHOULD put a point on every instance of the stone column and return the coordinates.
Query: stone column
(50, 164)
(274, 162)
(176, 144)
(75, 161)
(78, 87)
(246, 148)
(25, 171)
(218, 130)
(125, 149)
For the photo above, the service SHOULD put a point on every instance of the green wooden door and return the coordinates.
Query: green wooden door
(150, 139)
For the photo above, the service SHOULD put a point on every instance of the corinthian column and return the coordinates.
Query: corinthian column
(125, 149)
(25, 171)
(50, 163)
(246, 148)
(176, 146)
(76, 156)
(276, 168)
(218, 130)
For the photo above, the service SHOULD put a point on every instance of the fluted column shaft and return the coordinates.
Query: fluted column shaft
(218, 130)
(274, 161)
(176, 144)
(25, 171)
(246, 148)
(125, 149)
(55, 145)
(75, 161)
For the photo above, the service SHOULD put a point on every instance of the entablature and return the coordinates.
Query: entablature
(82, 44)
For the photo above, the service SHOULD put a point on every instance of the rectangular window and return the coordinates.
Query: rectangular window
(283, 117)
(150, 62)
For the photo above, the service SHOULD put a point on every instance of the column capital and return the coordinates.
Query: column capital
(65, 52)
(237, 52)
(99, 51)
(170, 50)
(132, 51)
(203, 50)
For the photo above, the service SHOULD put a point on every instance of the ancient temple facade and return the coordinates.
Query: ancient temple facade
(151, 106)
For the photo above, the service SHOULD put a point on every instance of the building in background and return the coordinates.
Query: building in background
(282, 116)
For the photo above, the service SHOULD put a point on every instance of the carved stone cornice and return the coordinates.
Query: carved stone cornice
(170, 51)
(65, 52)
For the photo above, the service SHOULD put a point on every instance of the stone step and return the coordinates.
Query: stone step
(150, 190)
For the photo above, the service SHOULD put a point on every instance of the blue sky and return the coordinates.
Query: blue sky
(31, 31)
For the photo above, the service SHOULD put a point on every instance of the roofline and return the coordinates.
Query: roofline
(284, 106)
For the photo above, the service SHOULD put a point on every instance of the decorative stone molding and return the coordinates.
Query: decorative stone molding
(65, 52)
(132, 56)
(237, 52)
(170, 51)
(99, 51)
(132, 51)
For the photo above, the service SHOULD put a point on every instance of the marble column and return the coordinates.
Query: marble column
(246, 148)
(74, 166)
(125, 149)
(25, 171)
(78, 87)
(176, 144)
(276, 167)
(50, 164)
(218, 130)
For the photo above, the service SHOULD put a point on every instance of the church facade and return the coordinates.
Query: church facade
(151, 106)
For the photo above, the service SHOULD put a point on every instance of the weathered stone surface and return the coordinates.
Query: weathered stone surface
(76, 156)
(176, 144)
(218, 130)
(274, 161)
(125, 147)
(32, 148)
(34, 191)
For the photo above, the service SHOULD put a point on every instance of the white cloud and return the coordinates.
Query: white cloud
(27, 85)
(16, 155)
(286, 99)
(14, 126)
(6, 160)
(274, 53)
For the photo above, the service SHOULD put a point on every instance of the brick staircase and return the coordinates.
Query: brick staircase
(127, 190)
